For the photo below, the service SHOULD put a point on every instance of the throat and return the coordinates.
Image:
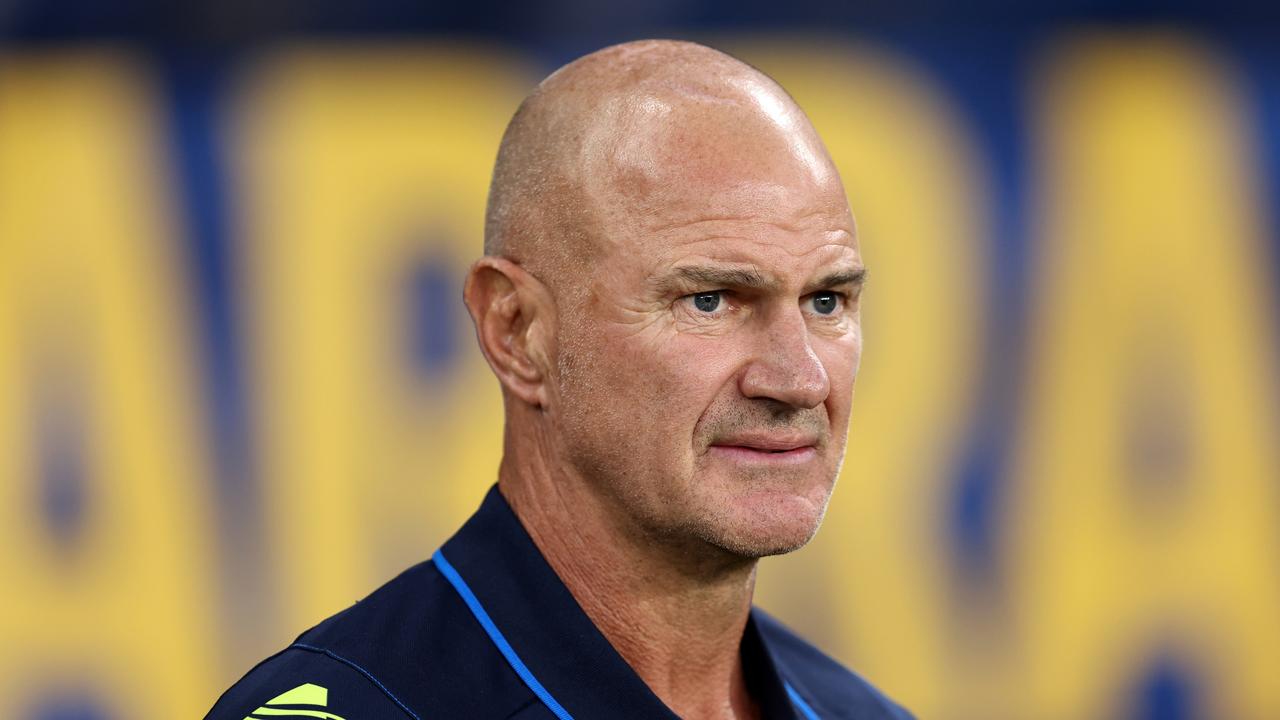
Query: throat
(676, 620)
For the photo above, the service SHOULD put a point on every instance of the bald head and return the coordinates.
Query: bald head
(638, 131)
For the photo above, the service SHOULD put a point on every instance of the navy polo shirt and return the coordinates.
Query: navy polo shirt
(486, 629)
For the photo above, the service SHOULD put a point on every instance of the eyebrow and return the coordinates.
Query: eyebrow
(711, 276)
(750, 278)
(852, 276)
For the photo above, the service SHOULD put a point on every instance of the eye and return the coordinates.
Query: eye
(707, 301)
(825, 303)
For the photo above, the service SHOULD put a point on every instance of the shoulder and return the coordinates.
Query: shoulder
(830, 688)
(312, 682)
(409, 649)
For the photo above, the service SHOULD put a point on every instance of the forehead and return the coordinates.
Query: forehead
(735, 173)
(780, 224)
(656, 148)
(779, 255)
(748, 168)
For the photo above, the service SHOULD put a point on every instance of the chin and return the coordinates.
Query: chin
(757, 544)
(765, 524)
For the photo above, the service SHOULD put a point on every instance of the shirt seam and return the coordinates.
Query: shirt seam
(355, 666)
(227, 692)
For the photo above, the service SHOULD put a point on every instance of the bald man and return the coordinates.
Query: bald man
(669, 298)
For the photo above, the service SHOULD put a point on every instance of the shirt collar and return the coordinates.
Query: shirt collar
(550, 632)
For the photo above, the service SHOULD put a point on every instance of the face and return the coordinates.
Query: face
(706, 367)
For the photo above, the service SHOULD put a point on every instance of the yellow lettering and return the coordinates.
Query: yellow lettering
(364, 176)
(1146, 518)
(93, 363)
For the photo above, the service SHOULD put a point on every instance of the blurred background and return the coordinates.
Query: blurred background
(238, 389)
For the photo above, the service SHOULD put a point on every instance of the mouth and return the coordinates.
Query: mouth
(766, 449)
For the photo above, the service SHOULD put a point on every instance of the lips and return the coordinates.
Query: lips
(774, 443)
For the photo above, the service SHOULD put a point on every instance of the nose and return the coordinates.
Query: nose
(786, 368)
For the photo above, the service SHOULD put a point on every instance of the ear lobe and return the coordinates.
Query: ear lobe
(509, 307)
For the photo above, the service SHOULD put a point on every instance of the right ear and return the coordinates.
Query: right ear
(513, 313)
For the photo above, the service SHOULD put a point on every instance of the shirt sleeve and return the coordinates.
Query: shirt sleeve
(313, 683)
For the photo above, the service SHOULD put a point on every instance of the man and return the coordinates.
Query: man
(669, 298)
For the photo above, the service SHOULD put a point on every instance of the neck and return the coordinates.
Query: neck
(675, 612)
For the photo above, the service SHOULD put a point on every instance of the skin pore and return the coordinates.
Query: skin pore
(669, 297)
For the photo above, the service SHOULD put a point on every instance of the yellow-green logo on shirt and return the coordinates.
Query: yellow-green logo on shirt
(313, 696)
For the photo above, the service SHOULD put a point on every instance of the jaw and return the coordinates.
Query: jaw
(761, 511)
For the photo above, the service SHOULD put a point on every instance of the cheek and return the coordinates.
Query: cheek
(693, 376)
(695, 370)
(651, 386)
(630, 409)
(658, 389)
(841, 360)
